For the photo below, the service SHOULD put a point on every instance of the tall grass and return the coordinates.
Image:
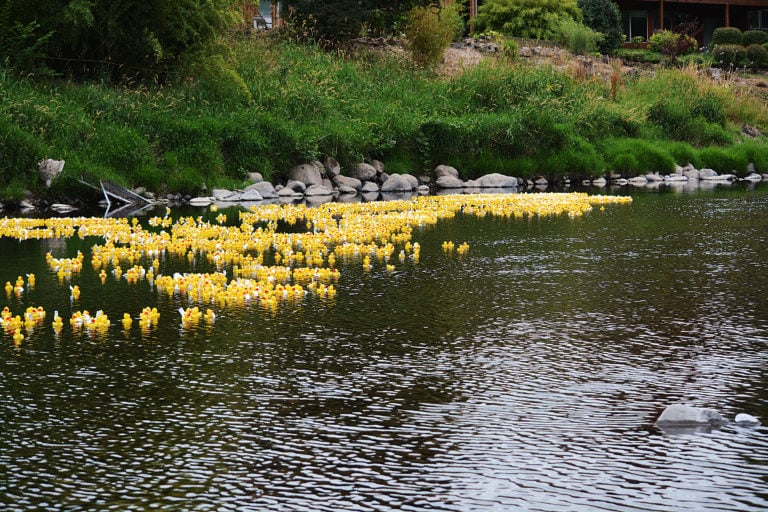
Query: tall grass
(270, 104)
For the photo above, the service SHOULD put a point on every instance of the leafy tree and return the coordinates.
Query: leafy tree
(603, 16)
(114, 38)
(337, 21)
(534, 19)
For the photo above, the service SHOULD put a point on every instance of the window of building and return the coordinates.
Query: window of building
(635, 24)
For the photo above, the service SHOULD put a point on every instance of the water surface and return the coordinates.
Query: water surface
(524, 376)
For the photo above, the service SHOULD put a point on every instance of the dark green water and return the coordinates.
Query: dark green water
(525, 376)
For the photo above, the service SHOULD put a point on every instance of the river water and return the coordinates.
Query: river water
(526, 375)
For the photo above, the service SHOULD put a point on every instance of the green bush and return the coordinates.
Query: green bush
(532, 19)
(577, 38)
(728, 55)
(509, 49)
(604, 17)
(672, 44)
(727, 35)
(757, 55)
(430, 30)
(754, 37)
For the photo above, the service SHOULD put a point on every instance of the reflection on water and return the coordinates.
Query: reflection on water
(525, 376)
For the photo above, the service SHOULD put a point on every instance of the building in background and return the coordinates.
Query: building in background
(641, 18)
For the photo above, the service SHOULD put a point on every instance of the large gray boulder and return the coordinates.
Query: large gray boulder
(364, 172)
(346, 181)
(309, 174)
(681, 415)
(265, 188)
(496, 180)
(397, 183)
(446, 170)
(705, 174)
(448, 182)
(369, 187)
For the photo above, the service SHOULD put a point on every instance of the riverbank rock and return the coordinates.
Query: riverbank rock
(265, 188)
(364, 172)
(317, 190)
(446, 170)
(496, 180)
(370, 187)
(448, 182)
(681, 415)
(251, 195)
(309, 174)
(397, 183)
(346, 181)
(200, 201)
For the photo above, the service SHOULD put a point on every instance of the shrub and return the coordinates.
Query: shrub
(578, 38)
(672, 44)
(757, 55)
(754, 37)
(727, 55)
(604, 17)
(533, 19)
(727, 35)
(430, 30)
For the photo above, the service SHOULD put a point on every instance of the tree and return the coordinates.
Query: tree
(534, 19)
(337, 21)
(116, 38)
(603, 16)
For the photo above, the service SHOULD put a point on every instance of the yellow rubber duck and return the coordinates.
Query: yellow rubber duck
(127, 321)
(17, 336)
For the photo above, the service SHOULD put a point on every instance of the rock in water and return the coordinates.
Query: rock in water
(746, 419)
(685, 415)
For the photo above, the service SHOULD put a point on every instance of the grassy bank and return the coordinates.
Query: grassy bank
(270, 104)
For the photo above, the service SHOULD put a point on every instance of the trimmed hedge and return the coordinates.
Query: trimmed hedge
(727, 35)
(751, 37)
(726, 55)
(757, 55)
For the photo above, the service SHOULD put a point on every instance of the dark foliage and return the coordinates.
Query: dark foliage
(603, 16)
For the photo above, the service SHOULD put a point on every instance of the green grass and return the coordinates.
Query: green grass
(270, 104)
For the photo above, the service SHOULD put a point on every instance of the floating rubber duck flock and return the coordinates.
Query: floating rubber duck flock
(255, 263)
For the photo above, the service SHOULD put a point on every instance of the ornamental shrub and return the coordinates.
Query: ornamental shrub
(751, 37)
(533, 19)
(727, 35)
(727, 55)
(672, 44)
(757, 55)
(604, 17)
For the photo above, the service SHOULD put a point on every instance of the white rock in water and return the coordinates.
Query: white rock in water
(686, 415)
(747, 419)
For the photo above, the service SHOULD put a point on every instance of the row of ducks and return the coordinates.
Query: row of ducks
(256, 259)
